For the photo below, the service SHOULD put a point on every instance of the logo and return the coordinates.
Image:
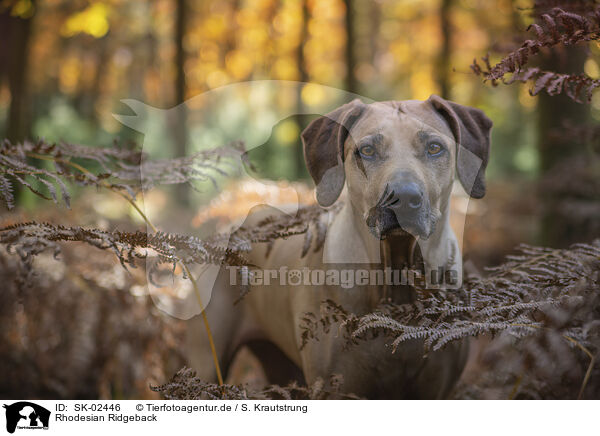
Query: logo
(26, 415)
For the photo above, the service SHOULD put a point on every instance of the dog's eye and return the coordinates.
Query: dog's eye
(367, 151)
(434, 149)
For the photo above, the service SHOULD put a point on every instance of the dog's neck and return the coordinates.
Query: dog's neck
(400, 252)
(350, 242)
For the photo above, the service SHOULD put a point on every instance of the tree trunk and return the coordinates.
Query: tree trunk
(443, 64)
(351, 82)
(301, 119)
(180, 122)
(374, 31)
(16, 33)
(559, 228)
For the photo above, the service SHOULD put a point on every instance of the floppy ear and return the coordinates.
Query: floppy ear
(471, 130)
(323, 141)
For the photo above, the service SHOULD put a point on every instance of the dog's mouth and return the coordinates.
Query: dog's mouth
(384, 222)
(390, 217)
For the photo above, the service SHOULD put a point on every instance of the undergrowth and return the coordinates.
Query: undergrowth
(539, 304)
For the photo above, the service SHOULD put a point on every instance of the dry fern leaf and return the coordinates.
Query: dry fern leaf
(115, 168)
(186, 386)
(555, 27)
(532, 290)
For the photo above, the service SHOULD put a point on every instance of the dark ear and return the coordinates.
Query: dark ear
(471, 130)
(323, 141)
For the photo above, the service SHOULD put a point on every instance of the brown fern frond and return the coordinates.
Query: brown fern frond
(115, 168)
(74, 329)
(530, 291)
(31, 238)
(556, 27)
(582, 7)
(578, 87)
(186, 386)
(307, 220)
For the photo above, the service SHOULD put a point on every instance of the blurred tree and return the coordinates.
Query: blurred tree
(351, 82)
(302, 120)
(560, 110)
(88, 105)
(559, 40)
(16, 20)
(15, 31)
(180, 115)
(443, 66)
(86, 56)
(560, 228)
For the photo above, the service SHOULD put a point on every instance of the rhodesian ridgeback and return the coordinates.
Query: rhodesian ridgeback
(386, 171)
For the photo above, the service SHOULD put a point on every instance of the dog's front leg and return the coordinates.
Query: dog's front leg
(226, 324)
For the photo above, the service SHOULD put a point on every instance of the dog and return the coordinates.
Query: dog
(391, 168)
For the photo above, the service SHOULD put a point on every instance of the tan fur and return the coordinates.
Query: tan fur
(274, 313)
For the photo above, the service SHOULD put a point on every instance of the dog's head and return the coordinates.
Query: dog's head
(398, 159)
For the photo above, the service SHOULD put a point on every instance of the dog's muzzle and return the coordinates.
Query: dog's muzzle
(403, 207)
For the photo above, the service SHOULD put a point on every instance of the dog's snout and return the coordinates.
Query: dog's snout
(403, 205)
(407, 195)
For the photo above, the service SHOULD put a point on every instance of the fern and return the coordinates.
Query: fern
(117, 169)
(186, 386)
(31, 238)
(546, 298)
(556, 27)
(543, 301)
(82, 327)
(519, 297)
(578, 87)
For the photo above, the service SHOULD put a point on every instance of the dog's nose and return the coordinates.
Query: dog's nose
(408, 195)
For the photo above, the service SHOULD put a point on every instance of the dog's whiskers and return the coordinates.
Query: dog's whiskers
(387, 198)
